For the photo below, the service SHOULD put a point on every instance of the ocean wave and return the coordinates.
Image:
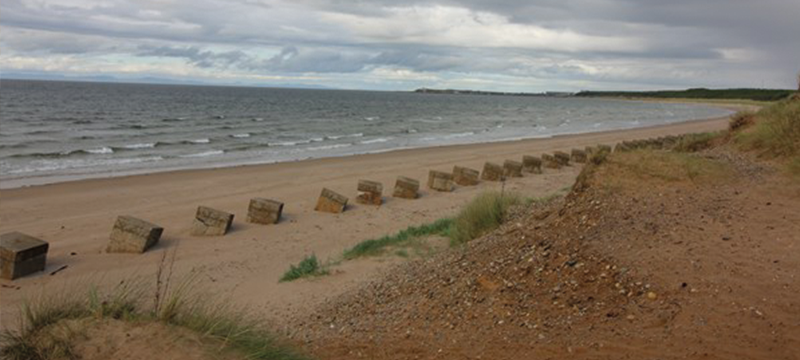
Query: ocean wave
(82, 122)
(55, 165)
(329, 147)
(374, 141)
(139, 146)
(174, 119)
(289, 143)
(448, 136)
(241, 136)
(257, 119)
(337, 137)
(100, 150)
(372, 118)
(204, 154)
(197, 141)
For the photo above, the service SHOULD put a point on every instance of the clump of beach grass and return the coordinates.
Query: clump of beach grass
(405, 237)
(307, 267)
(697, 141)
(483, 214)
(776, 132)
(51, 324)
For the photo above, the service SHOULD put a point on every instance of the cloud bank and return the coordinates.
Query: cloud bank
(399, 45)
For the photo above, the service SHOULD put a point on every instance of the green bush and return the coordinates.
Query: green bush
(309, 266)
(776, 132)
(377, 246)
(483, 214)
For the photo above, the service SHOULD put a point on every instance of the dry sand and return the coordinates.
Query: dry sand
(245, 265)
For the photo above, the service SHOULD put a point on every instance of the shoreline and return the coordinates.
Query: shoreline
(76, 219)
(22, 183)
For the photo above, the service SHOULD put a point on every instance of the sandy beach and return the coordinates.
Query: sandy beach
(245, 265)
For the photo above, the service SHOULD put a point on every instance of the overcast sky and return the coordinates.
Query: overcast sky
(506, 45)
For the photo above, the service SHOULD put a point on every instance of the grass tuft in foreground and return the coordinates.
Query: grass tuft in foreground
(51, 325)
(404, 237)
(483, 214)
(307, 267)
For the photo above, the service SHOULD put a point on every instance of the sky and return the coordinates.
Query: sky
(501, 45)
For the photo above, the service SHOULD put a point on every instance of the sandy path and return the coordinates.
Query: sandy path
(76, 217)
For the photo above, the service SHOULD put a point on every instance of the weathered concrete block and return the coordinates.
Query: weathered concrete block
(406, 188)
(211, 222)
(532, 164)
(440, 181)
(264, 211)
(550, 162)
(579, 156)
(369, 192)
(512, 168)
(21, 255)
(465, 176)
(562, 157)
(492, 172)
(132, 235)
(331, 201)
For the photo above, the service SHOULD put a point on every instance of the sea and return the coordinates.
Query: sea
(54, 131)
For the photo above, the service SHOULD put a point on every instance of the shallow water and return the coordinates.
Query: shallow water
(55, 131)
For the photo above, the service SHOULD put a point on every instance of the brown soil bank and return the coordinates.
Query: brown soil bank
(654, 254)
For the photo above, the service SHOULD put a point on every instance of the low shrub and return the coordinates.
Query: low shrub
(309, 266)
(484, 213)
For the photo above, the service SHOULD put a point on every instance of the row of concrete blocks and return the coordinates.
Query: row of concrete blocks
(371, 192)
(664, 142)
(22, 254)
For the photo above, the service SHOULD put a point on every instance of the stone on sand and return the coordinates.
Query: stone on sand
(465, 176)
(211, 222)
(440, 181)
(264, 211)
(369, 192)
(331, 201)
(132, 235)
(21, 255)
(406, 188)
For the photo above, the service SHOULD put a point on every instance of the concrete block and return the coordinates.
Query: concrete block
(132, 235)
(440, 181)
(562, 157)
(211, 222)
(465, 176)
(264, 211)
(492, 172)
(512, 168)
(550, 162)
(406, 188)
(579, 156)
(369, 192)
(331, 201)
(21, 255)
(531, 164)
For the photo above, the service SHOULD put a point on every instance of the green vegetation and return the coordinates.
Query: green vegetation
(697, 141)
(483, 214)
(698, 93)
(777, 131)
(51, 325)
(309, 266)
(670, 166)
(741, 120)
(377, 246)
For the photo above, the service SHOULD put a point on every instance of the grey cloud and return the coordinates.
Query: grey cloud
(684, 42)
